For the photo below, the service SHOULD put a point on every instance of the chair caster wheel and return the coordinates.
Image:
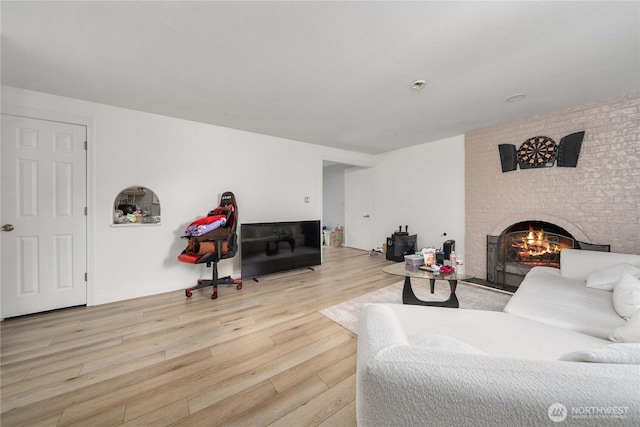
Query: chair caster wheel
(200, 281)
(188, 294)
(238, 287)
(214, 296)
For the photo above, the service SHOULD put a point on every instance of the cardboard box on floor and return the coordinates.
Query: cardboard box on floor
(336, 236)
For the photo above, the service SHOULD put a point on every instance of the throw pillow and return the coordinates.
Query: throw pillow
(606, 278)
(629, 332)
(626, 296)
(628, 354)
(443, 343)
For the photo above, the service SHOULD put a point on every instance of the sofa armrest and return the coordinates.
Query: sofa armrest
(401, 384)
(378, 329)
(578, 264)
(410, 386)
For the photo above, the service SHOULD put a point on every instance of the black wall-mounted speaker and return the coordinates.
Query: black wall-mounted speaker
(569, 150)
(508, 158)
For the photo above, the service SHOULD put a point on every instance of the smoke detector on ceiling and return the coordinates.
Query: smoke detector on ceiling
(515, 98)
(418, 84)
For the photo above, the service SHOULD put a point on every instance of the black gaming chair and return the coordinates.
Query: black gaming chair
(215, 245)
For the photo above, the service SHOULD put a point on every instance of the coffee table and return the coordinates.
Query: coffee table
(409, 297)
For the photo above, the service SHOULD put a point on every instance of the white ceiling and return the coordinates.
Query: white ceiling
(330, 73)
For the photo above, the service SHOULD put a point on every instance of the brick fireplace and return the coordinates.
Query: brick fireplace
(597, 202)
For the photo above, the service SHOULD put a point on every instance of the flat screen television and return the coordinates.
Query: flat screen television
(270, 247)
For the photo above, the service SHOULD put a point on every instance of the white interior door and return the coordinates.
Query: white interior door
(43, 218)
(358, 201)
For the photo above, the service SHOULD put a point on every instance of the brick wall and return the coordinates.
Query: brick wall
(598, 201)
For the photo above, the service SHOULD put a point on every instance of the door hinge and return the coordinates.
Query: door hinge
(85, 277)
(85, 211)
(86, 144)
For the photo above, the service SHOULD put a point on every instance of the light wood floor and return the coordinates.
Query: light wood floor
(260, 356)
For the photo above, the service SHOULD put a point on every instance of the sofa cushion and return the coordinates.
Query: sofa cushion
(628, 354)
(578, 264)
(492, 332)
(606, 278)
(548, 298)
(626, 296)
(544, 271)
(629, 332)
(442, 343)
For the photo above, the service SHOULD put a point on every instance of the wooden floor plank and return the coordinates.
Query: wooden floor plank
(208, 386)
(254, 374)
(312, 366)
(322, 406)
(344, 417)
(244, 402)
(257, 356)
(85, 398)
(167, 415)
(280, 405)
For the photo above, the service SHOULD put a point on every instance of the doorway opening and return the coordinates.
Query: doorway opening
(347, 202)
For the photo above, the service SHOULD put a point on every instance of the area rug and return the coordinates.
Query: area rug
(471, 296)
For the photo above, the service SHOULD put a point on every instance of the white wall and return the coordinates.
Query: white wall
(422, 187)
(188, 165)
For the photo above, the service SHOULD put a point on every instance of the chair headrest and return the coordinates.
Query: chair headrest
(228, 198)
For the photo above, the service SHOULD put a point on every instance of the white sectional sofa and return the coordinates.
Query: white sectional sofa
(561, 297)
(559, 354)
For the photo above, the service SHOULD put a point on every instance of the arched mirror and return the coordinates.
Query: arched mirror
(136, 205)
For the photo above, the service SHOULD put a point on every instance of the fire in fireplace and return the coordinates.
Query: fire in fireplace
(536, 247)
(525, 245)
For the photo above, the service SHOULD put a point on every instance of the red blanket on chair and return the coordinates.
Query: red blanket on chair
(195, 247)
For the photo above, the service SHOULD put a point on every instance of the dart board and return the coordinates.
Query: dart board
(537, 152)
